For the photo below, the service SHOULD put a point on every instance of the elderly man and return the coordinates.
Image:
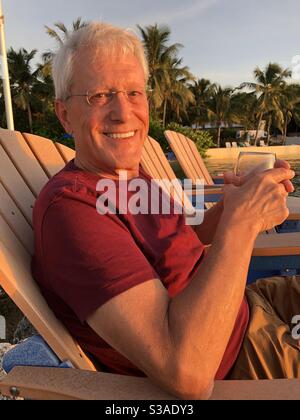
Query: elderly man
(137, 290)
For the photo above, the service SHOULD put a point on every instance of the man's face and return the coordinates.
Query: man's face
(108, 137)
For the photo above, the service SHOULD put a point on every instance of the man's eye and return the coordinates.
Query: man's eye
(134, 93)
(101, 95)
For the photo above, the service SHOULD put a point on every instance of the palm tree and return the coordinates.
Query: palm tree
(290, 107)
(159, 55)
(77, 24)
(175, 90)
(219, 108)
(243, 107)
(22, 79)
(2, 106)
(59, 38)
(202, 91)
(269, 83)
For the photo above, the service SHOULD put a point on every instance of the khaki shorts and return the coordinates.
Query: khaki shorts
(269, 350)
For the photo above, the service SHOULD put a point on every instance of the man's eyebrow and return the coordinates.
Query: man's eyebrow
(112, 88)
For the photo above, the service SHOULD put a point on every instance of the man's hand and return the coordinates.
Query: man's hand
(231, 178)
(259, 200)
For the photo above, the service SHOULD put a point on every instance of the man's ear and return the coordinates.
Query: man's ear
(63, 115)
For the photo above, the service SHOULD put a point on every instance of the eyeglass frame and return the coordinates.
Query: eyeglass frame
(112, 92)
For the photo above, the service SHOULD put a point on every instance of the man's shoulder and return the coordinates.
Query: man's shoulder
(69, 183)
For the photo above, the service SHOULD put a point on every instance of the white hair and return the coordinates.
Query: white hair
(105, 39)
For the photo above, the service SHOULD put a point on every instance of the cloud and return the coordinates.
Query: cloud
(186, 12)
(194, 10)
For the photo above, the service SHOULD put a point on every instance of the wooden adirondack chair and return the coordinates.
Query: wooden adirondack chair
(157, 166)
(188, 157)
(194, 167)
(278, 253)
(26, 164)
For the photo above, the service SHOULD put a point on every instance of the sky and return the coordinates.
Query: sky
(223, 40)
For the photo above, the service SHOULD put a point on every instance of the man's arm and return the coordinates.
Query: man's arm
(179, 343)
(207, 230)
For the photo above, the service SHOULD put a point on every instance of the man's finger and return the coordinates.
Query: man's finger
(228, 177)
(282, 164)
(288, 186)
(280, 174)
(231, 178)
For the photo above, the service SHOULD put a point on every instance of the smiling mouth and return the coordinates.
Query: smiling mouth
(117, 136)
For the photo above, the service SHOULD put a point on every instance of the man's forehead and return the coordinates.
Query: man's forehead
(97, 58)
(107, 68)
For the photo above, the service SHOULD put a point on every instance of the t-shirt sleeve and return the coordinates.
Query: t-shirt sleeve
(89, 258)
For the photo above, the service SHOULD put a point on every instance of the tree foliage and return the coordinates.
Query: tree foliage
(177, 98)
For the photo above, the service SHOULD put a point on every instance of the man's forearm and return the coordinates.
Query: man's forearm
(206, 231)
(202, 317)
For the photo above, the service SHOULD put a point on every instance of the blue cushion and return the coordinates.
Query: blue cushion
(32, 352)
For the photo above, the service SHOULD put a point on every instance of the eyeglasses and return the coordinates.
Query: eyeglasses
(103, 98)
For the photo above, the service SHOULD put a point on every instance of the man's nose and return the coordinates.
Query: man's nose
(120, 107)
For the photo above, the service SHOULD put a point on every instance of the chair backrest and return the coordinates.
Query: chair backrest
(234, 144)
(155, 163)
(26, 164)
(188, 157)
(262, 143)
(228, 145)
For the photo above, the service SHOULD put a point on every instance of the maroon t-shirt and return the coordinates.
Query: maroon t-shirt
(83, 259)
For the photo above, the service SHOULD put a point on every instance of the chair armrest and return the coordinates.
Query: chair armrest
(279, 389)
(218, 179)
(51, 383)
(293, 204)
(277, 245)
(207, 190)
(72, 384)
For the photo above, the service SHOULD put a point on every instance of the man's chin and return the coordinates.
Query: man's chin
(130, 167)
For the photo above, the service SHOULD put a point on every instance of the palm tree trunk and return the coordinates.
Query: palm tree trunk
(285, 130)
(165, 113)
(258, 125)
(268, 130)
(30, 117)
(219, 136)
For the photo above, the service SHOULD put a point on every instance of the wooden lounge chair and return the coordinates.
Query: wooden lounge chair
(26, 163)
(188, 157)
(194, 167)
(157, 166)
(190, 160)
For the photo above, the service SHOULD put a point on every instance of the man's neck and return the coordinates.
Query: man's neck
(104, 173)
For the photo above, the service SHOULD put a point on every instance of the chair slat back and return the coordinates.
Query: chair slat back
(188, 157)
(46, 154)
(15, 186)
(26, 164)
(14, 218)
(66, 153)
(24, 160)
(157, 166)
(13, 244)
(16, 280)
